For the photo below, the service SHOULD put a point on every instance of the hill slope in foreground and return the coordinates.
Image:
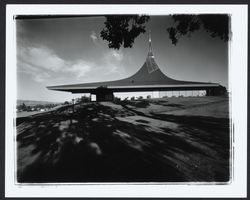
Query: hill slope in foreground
(163, 140)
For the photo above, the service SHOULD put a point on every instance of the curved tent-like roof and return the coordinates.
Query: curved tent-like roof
(149, 77)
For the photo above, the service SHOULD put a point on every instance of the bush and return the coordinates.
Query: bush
(116, 99)
(83, 99)
(66, 103)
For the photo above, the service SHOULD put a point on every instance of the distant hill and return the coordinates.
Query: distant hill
(33, 103)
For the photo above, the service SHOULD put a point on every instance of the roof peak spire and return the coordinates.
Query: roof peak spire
(149, 40)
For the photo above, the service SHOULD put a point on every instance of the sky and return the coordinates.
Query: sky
(70, 50)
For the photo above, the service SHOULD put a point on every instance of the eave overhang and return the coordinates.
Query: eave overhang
(136, 88)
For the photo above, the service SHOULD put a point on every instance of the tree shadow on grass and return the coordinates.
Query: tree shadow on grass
(136, 103)
(94, 146)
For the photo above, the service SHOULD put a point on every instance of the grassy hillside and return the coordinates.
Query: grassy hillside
(164, 140)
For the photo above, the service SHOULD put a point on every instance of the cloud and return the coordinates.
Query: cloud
(41, 77)
(94, 37)
(41, 57)
(118, 55)
(43, 64)
(112, 61)
(36, 74)
(81, 68)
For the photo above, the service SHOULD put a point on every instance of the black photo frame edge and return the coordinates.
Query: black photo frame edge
(3, 4)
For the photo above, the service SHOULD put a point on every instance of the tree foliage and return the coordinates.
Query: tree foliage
(217, 25)
(121, 30)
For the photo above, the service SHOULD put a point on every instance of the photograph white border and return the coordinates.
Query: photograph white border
(237, 88)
